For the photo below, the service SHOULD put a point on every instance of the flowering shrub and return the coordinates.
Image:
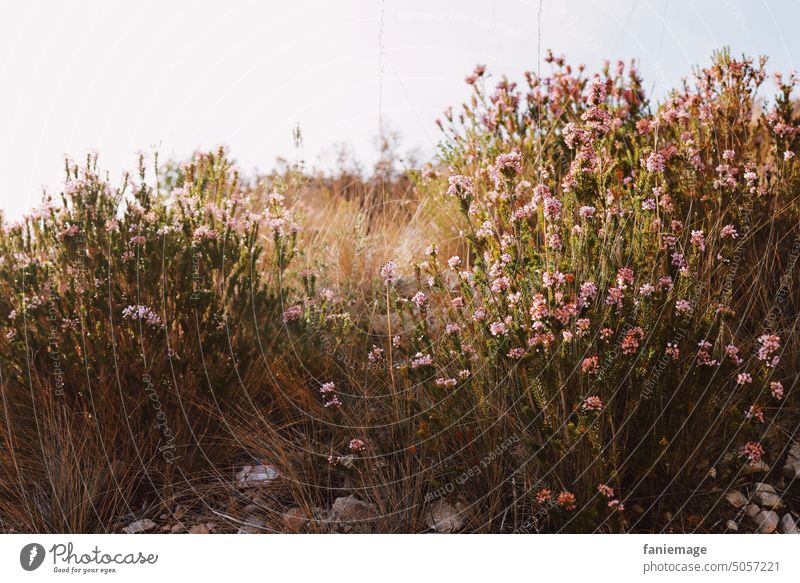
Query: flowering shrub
(126, 312)
(604, 310)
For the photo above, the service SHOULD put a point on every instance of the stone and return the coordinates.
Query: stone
(253, 525)
(794, 453)
(766, 521)
(757, 468)
(788, 525)
(444, 518)
(138, 526)
(731, 525)
(256, 475)
(295, 519)
(768, 500)
(762, 487)
(792, 469)
(199, 529)
(177, 527)
(736, 499)
(348, 511)
(752, 510)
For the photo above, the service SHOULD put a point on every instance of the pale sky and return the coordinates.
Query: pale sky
(120, 77)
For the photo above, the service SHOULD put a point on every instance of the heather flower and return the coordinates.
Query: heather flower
(606, 491)
(729, 231)
(699, 240)
(631, 340)
(655, 163)
(141, 313)
(452, 329)
(544, 495)
(752, 451)
(292, 313)
(420, 300)
(357, 445)
(744, 378)
(647, 290)
(776, 387)
(445, 382)
(586, 212)
(733, 353)
(376, 354)
(769, 343)
(755, 412)
(421, 360)
(590, 365)
(457, 302)
(498, 328)
(566, 500)
(508, 165)
(683, 306)
(454, 262)
(516, 353)
(592, 403)
(389, 273)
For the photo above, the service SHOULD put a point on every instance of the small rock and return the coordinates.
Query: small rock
(638, 509)
(139, 526)
(444, 518)
(731, 525)
(712, 473)
(736, 498)
(768, 500)
(255, 475)
(752, 510)
(756, 468)
(253, 525)
(766, 521)
(177, 527)
(294, 519)
(788, 525)
(349, 510)
(794, 453)
(763, 487)
(792, 469)
(199, 529)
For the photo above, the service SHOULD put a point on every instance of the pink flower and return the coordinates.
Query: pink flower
(729, 231)
(770, 343)
(744, 378)
(389, 272)
(699, 240)
(566, 500)
(592, 403)
(420, 300)
(683, 306)
(606, 491)
(454, 262)
(655, 163)
(459, 186)
(516, 353)
(752, 451)
(631, 340)
(445, 382)
(142, 313)
(544, 495)
(357, 445)
(590, 365)
(292, 313)
(755, 412)
(777, 389)
(421, 360)
(498, 328)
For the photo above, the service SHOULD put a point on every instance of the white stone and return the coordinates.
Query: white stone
(766, 521)
(444, 518)
(139, 526)
(255, 475)
(788, 525)
(736, 498)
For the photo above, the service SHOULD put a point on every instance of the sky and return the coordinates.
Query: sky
(122, 77)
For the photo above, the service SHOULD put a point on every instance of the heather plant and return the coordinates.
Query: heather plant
(619, 307)
(133, 316)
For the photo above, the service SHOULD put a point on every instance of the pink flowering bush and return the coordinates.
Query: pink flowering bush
(618, 303)
(129, 314)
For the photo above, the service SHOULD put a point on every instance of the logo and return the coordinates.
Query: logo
(31, 556)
